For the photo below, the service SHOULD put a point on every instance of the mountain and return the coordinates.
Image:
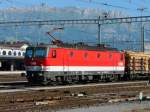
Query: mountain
(114, 34)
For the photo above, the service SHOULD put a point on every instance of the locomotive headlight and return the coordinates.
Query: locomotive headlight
(120, 64)
(40, 74)
(42, 67)
(33, 63)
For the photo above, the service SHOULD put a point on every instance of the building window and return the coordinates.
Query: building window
(98, 55)
(15, 53)
(71, 54)
(19, 53)
(9, 53)
(4, 52)
(85, 55)
(23, 54)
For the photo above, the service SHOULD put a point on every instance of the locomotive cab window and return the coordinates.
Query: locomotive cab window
(53, 53)
(40, 52)
(28, 54)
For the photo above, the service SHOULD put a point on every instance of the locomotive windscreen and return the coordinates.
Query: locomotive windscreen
(29, 52)
(37, 52)
(40, 52)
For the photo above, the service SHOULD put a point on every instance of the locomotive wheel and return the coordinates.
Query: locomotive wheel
(31, 80)
(44, 81)
(95, 78)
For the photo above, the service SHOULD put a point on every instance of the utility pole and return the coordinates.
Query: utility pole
(99, 32)
(142, 29)
(143, 45)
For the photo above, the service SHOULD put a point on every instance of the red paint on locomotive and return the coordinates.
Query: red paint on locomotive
(64, 61)
(79, 58)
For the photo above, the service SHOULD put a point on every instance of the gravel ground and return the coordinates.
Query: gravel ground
(12, 77)
(79, 99)
(118, 107)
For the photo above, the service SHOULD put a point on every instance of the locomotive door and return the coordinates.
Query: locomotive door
(65, 62)
(114, 65)
(114, 58)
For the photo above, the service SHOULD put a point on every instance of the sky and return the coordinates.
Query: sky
(130, 6)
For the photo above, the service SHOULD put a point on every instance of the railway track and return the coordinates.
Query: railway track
(56, 97)
(21, 86)
(6, 77)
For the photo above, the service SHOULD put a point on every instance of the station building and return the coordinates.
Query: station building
(12, 56)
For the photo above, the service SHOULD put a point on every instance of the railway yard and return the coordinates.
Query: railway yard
(75, 56)
(16, 95)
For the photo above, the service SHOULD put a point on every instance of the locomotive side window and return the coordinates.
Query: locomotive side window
(85, 55)
(98, 55)
(71, 54)
(110, 55)
(54, 54)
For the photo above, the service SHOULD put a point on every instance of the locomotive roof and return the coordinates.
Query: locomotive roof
(78, 46)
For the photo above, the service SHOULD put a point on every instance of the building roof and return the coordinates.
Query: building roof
(18, 44)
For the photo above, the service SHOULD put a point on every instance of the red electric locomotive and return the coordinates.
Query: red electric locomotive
(72, 63)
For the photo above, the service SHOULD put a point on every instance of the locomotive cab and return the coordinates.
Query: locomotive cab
(35, 58)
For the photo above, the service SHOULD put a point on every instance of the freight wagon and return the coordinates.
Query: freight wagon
(137, 65)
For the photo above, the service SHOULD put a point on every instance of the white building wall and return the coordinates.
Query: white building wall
(12, 52)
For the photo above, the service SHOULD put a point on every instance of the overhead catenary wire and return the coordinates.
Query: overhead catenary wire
(115, 6)
(102, 3)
